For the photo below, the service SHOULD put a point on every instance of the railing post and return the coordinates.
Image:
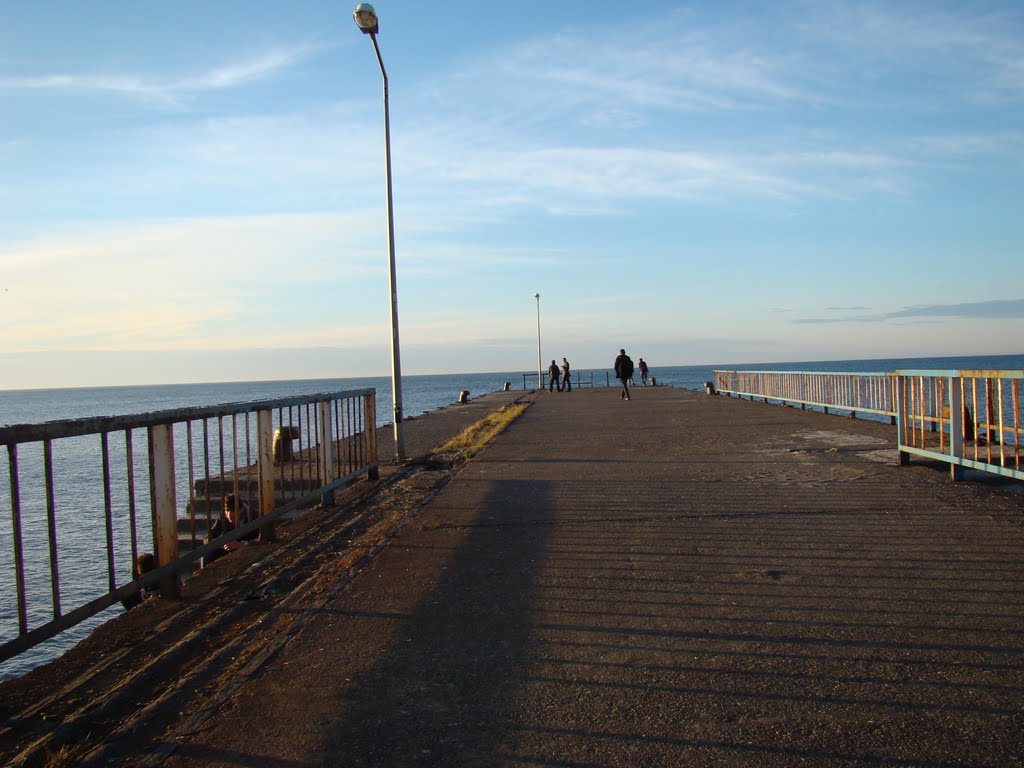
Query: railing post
(19, 552)
(901, 418)
(890, 383)
(370, 434)
(265, 468)
(956, 427)
(164, 504)
(326, 453)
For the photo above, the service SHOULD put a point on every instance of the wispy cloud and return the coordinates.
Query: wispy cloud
(975, 54)
(673, 70)
(999, 309)
(171, 90)
(986, 310)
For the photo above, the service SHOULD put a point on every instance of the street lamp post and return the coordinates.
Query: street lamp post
(540, 365)
(366, 19)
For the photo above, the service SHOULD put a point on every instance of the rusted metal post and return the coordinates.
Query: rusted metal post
(19, 552)
(956, 427)
(51, 525)
(370, 435)
(899, 387)
(265, 467)
(164, 504)
(326, 452)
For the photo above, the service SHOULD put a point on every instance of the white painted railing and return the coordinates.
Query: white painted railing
(851, 392)
(969, 419)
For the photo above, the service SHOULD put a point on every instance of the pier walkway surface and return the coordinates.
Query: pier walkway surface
(674, 580)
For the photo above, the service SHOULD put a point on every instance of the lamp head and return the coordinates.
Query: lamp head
(366, 18)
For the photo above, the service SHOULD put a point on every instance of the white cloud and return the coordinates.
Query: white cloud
(180, 283)
(168, 90)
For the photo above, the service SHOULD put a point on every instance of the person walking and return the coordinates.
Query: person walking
(553, 377)
(624, 372)
(566, 377)
(643, 372)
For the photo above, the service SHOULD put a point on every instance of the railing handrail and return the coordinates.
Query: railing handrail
(807, 373)
(962, 373)
(94, 425)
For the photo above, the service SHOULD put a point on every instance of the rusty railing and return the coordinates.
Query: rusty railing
(84, 497)
(966, 418)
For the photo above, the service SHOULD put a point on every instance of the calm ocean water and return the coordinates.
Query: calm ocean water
(421, 394)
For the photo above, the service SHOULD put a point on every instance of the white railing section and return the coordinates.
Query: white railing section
(852, 392)
(966, 418)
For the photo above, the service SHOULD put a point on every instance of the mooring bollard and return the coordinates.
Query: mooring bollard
(464, 397)
(654, 382)
(283, 437)
(709, 387)
(507, 387)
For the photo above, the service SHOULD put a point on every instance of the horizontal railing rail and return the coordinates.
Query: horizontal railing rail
(869, 392)
(578, 379)
(970, 419)
(86, 496)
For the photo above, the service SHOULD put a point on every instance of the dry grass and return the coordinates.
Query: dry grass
(468, 442)
(62, 757)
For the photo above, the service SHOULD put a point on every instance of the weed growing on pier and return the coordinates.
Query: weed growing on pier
(468, 442)
(63, 757)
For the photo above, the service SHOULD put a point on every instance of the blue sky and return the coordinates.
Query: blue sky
(195, 191)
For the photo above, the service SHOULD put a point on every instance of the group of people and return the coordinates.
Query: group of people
(559, 378)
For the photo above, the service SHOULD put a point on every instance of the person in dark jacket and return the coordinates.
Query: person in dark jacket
(624, 372)
(643, 372)
(553, 377)
(566, 376)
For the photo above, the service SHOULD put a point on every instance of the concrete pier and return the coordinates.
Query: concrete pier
(675, 580)
(672, 580)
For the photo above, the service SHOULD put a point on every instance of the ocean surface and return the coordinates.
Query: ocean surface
(421, 394)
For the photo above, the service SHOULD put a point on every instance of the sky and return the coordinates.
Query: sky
(195, 191)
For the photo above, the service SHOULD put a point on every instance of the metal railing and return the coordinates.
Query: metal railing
(871, 392)
(579, 379)
(74, 484)
(966, 418)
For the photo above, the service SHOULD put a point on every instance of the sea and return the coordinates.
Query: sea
(420, 394)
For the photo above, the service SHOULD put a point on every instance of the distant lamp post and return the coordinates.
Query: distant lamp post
(540, 365)
(366, 19)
